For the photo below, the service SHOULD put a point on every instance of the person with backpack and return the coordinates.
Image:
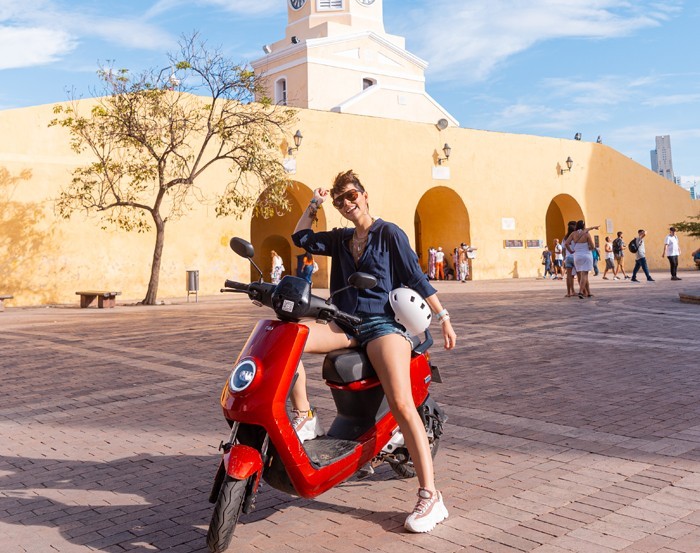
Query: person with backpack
(637, 247)
(618, 247)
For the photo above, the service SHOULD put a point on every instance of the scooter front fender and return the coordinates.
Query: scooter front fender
(242, 461)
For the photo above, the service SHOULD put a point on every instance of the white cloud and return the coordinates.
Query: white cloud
(31, 46)
(238, 7)
(672, 100)
(132, 33)
(607, 90)
(37, 32)
(466, 41)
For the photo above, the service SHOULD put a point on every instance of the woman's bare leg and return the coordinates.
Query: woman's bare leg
(391, 357)
(322, 339)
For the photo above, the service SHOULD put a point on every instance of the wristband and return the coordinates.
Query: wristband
(441, 314)
(444, 319)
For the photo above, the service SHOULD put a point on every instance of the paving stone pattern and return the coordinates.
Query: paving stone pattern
(574, 427)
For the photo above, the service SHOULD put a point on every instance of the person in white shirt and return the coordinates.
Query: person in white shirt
(439, 264)
(672, 250)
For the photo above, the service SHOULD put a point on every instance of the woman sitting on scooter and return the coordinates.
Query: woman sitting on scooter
(381, 249)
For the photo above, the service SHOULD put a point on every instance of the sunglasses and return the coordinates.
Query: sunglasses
(350, 195)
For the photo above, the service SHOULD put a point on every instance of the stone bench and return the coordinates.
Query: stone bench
(104, 298)
(4, 297)
(690, 296)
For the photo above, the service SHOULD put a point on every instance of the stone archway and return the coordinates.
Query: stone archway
(562, 209)
(440, 219)
(275, 233)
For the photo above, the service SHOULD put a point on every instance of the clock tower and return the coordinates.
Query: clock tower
(337, 56)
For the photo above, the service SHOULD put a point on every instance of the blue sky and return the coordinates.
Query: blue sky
(625, 70)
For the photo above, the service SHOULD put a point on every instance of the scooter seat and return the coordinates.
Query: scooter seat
(347, 365)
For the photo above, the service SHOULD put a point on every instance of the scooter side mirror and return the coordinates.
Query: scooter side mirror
(245, 249)
(242, 247)
(363, 281)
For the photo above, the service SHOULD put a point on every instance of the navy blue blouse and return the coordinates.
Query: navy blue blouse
(388, 256)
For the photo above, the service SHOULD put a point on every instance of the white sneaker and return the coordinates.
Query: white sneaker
(306, 425)
(616, 278)
(429, 510)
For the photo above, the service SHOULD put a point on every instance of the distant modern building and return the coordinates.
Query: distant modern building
(690, 183)
(661, 160)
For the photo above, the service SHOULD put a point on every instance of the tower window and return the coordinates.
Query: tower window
(281, 92)
(330, 5)
(366, 83)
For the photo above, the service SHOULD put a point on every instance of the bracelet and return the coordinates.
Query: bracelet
(442, 314)
(444, 319)
(312, 211)
(315, 203)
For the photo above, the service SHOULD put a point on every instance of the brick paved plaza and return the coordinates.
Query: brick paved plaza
(574, 427)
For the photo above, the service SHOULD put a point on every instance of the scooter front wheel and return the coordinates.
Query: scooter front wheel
(228, 508)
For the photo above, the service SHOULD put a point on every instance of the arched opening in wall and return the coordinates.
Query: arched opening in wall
(275, 233)
(441, 219)
(562, 209)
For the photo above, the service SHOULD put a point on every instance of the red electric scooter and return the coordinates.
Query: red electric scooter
(263, 444)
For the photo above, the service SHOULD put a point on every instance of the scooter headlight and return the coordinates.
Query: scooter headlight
(242, 375)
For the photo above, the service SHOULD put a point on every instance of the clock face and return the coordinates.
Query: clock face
(297, 4)
(366, 2)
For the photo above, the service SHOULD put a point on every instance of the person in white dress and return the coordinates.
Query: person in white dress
(277, 267)
(581, 242)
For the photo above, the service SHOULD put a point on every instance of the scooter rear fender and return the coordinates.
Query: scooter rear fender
(242, 461)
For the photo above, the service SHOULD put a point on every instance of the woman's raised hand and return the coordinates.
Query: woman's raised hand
(320, 194)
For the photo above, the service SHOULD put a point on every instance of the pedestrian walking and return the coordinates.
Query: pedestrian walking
(463, 263)
(609, 258)
(595, 252)
(439, 264)
(547, 262)
(619, 248)
(582, 244)
(558, 260)
(277, 267)
(641, 258)
(672, 250)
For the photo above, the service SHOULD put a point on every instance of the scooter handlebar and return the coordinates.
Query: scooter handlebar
(239, 286)
(318, 308)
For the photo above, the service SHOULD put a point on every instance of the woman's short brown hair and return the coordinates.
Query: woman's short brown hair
(343, 180)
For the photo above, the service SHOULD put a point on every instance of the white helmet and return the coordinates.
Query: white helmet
(410, 310)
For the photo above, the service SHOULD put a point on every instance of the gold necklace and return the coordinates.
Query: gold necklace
(358, 244)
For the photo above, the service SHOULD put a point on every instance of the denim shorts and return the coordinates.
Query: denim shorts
(569, 262)
(372, 327)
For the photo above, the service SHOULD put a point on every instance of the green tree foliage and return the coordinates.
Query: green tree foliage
(690, 227)
(150, 137)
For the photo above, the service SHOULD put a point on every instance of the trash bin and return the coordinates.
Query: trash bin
(192, 284)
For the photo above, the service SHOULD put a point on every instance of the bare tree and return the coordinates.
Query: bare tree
(151, 136)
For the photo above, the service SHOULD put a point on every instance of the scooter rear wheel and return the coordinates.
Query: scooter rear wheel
(226, 512)
(406, 469)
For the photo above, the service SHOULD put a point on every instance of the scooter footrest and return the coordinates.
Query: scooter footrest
(324, 450)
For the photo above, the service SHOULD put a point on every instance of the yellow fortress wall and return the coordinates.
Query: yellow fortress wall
(490, 181)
